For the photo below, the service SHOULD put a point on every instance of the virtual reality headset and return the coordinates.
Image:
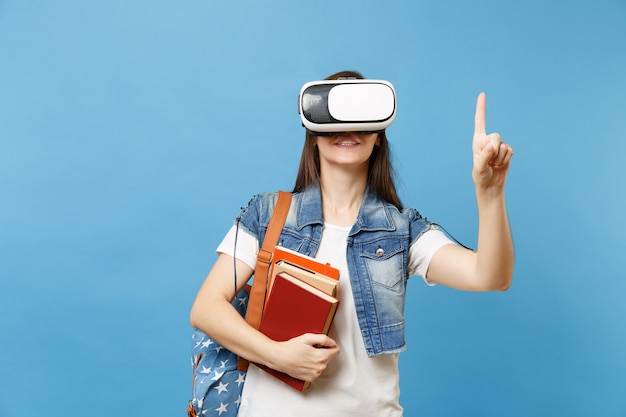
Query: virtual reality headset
(347, 105)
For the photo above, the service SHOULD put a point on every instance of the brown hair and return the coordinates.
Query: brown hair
(380, 173)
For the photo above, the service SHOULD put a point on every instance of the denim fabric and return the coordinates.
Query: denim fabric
(377, 254)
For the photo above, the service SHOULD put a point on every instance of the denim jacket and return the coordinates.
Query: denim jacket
(377, 254)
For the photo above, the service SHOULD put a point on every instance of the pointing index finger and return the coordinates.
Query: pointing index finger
(479, 118)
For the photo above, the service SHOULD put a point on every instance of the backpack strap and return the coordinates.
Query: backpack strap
(264, 259)
(191, 412)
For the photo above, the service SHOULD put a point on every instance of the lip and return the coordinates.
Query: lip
(346, 141)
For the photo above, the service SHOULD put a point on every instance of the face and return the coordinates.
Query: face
(346, 149)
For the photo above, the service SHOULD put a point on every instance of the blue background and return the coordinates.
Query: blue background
(132, 132)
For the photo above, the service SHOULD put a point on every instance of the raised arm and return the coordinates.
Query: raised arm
(491, 266)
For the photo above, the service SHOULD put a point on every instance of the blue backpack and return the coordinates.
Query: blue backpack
(217, 383)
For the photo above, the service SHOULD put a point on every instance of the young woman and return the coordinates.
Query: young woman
(345, 211)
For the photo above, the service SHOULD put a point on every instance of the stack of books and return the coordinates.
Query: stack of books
(301, 298)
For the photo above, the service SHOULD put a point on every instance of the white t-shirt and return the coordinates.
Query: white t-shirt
(353, 383)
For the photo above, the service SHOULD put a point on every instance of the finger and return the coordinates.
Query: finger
(495, 140)
(499, 156)
(485, 156)
(505, 152)
(480, 118)
(319, 340)
(509, 154)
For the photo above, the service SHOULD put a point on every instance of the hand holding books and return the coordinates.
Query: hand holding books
(301, 299)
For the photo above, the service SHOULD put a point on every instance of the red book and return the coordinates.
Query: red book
(293, 309)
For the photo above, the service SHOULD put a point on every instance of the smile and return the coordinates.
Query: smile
(347, 139)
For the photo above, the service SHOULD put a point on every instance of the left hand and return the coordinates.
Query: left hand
(492, 157)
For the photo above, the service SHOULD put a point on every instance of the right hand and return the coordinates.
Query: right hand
(304, 357)
(492, 157)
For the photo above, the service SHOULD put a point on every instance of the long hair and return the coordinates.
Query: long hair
(380, 178)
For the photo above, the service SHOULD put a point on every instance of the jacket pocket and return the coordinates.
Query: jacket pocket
(384, 261)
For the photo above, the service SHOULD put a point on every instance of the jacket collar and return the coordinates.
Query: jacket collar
(373, 214)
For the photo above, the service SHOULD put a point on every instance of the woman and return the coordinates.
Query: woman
(346, 211)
